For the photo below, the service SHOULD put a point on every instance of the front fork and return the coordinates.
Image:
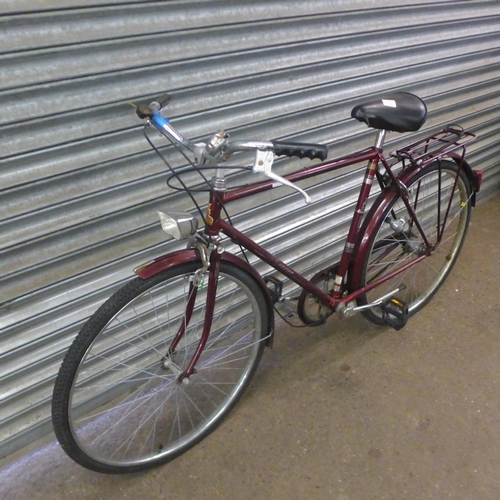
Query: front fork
(213, 275)
(211, 263)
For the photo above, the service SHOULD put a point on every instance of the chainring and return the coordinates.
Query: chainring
(309, 309)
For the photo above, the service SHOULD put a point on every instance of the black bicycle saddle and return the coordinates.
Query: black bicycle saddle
(397, 112)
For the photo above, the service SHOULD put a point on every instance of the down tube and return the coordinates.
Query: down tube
(270, 259)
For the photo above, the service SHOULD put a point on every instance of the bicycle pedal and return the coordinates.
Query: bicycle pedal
(395, 313)
(275, 287)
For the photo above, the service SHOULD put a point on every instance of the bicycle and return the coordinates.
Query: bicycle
(160, 364)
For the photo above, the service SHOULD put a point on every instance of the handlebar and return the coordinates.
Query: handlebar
(220, 148)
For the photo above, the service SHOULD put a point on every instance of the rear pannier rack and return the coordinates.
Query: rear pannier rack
(435, 146)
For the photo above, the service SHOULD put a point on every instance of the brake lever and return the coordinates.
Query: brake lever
(264, 161)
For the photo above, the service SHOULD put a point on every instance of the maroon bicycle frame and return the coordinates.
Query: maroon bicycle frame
(357, 238)
(216, 225)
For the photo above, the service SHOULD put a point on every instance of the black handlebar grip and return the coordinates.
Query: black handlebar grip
(300, 149)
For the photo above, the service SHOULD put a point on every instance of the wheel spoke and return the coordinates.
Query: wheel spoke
(423, 279)
(127, 406)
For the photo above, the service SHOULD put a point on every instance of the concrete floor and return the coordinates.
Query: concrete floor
(346, 411)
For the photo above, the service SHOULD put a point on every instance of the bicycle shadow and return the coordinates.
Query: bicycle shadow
(318, 354)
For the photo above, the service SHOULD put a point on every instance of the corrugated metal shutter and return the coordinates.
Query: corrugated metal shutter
(79, 187)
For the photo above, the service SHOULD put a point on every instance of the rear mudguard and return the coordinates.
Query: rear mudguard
(190, 255)
(384, 199)
(475, 176)
(472, 175)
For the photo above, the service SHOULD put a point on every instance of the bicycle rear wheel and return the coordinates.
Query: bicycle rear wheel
(443, 209)
(118, 405)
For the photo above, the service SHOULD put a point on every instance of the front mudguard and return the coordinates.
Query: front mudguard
(191, 255)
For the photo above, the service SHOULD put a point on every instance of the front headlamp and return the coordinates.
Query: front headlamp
(180, 225)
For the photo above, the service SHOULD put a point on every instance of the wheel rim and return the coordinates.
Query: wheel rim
(127, 408)
(393, 249)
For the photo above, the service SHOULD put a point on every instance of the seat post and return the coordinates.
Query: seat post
(379, 142)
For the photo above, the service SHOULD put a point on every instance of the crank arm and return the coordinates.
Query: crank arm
(350, 311)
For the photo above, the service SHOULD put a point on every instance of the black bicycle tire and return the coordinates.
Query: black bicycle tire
(93, 327)
(381, 217)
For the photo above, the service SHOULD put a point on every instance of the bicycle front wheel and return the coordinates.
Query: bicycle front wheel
(118, 405)
(442, 207)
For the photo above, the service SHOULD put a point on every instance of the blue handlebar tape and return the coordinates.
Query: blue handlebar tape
(158, 120)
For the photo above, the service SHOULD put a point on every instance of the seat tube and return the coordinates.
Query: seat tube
(358, 216)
